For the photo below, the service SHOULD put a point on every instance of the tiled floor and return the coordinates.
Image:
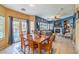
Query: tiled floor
(62, 45)
(11, 49)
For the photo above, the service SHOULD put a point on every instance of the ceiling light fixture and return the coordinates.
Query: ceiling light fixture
(31, 5)
(60, 14)
(23, 9)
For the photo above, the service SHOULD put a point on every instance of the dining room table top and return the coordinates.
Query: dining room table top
(41, 39)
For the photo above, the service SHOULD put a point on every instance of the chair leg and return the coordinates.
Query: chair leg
(48, 52)
(32, 50)
(28, 50)
(51, 51)
(24, 51)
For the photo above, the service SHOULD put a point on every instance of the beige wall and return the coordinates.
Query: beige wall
(77, 31)
(8, 12)
(77, 36)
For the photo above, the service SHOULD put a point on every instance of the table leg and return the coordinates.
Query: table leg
(32, 50)
(39, 48)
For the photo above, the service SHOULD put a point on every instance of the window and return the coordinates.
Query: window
(51, 26)
(43, 26)
(58, 23)
(2, 27)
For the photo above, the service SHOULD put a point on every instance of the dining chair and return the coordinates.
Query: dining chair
(24, 42)
(51, 40)
(31, 44)
(48, 46)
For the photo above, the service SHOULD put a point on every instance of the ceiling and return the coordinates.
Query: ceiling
(43, 10)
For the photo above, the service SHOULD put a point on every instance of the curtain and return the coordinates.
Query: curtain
(36, 23)
(11, 30)
(28, 26)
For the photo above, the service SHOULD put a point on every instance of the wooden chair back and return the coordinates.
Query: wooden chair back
(22, 40)
(31, 43)
(30, 40)
(51, 39)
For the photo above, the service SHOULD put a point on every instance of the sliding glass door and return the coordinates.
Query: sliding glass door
(32, 26)
(24, 27)
(18, 26)
(16, 30)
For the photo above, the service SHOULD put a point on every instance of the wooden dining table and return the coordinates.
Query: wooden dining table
(39, 41)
